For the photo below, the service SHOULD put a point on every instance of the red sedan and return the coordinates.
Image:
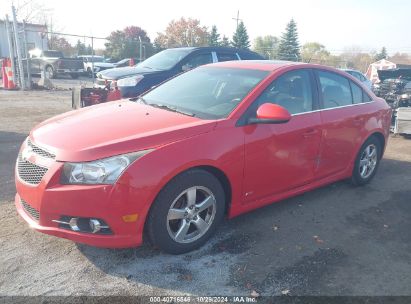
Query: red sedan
(217, 141)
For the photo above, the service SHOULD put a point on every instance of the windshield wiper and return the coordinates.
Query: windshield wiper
(171, 109)
(139, 98)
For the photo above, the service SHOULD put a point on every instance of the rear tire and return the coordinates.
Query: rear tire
(186, 212)
(367, 161)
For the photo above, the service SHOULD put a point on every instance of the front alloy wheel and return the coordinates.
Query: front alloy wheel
(191, 214)
(186, 212)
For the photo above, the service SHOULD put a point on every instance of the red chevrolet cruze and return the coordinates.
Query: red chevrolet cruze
(217, 141)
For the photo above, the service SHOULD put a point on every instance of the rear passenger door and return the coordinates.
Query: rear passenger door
(343, 121)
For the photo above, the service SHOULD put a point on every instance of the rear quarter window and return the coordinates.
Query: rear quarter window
(357, 93)
(226, 56)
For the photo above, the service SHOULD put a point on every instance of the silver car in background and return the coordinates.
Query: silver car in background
(360, 76)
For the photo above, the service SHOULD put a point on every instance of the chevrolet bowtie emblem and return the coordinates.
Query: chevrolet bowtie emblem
(26, 153)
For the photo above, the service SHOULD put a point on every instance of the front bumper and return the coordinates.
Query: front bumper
(111, 203)
(105, 241)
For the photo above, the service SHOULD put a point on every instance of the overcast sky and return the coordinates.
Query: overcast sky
(337, 24)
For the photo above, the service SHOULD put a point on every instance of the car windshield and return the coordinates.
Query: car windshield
(165, 60)
(205, 92)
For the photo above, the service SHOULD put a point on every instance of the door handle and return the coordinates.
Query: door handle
(310, 133)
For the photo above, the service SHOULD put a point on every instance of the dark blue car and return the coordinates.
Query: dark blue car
(133, 81)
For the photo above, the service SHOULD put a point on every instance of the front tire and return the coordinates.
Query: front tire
(50, 74)
(367, 162)
(186, 212)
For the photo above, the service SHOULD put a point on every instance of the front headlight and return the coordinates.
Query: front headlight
(129, 81)
(102, 171)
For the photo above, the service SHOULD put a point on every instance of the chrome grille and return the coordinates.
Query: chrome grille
(28, 172)
(35, 214)
(40, 151)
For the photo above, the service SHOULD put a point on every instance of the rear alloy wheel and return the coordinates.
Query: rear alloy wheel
(367, 161)
(186, 212)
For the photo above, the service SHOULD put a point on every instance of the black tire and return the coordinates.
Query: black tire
(89, 73)
(158, 224)
(50, 71)
(74, 75)
(357, 178)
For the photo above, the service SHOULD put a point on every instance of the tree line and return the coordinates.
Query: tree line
(186, 32)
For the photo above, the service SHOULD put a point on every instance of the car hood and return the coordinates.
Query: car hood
(114, 128)
(123, 72)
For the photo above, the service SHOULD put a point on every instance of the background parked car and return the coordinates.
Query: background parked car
(100, 64)
(360, 76)
(132, 81)
(54, 63)
(126, 62)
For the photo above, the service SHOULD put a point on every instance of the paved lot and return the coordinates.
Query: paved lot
(337, 240)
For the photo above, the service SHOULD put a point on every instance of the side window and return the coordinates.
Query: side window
(356, 93)
(366, 97)
(335, 89)
(226, 56)
(291, 90)
(197, 60)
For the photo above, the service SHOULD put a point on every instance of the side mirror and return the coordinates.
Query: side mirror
(186, 67)
(269, 113)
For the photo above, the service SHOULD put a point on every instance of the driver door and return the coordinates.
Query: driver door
(281, 157)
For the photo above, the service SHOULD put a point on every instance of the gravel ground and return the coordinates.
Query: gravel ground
(337, 240)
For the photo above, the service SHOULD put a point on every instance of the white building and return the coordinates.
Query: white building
(36, 37)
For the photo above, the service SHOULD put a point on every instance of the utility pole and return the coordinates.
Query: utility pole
(92, 58)
(141, 48)
(237, 19)
(27, 56)
(18, 49)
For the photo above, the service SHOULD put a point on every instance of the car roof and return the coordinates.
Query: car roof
(264, 65)
(351, 70)
(211, 48)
